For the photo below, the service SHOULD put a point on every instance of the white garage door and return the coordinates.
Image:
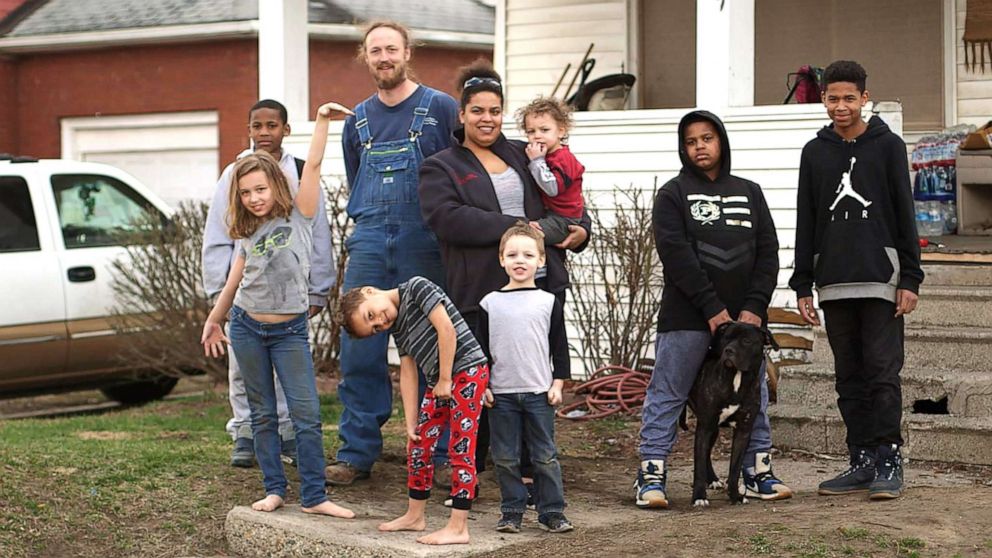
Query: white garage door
(174, 154)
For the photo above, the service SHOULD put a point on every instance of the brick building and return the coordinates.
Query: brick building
(161, 87)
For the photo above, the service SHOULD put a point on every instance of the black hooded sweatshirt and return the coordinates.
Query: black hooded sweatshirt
(855, 225)
(716, 240)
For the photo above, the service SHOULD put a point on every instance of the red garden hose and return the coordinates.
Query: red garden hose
(611, 389)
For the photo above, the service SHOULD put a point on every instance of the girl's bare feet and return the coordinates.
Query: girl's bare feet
(446, 535)
(329, 508)
(271, 502)
(406, 522)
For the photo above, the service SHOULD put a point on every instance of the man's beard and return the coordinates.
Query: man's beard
(386, 83)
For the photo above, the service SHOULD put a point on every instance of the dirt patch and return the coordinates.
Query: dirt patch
(103, 436)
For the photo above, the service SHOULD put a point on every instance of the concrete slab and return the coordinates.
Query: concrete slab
(927, 437)
(288, 532)
(960, 275)
(934, 348)
(952, 306)
(969, 394)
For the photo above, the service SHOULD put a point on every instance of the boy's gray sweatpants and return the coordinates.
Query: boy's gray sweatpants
(678, 356)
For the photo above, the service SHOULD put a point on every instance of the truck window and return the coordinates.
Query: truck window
(18, 230)
(96, 210)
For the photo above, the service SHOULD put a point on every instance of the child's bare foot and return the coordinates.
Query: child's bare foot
(271, 502)
(329, 508)
(405, 522)
(445, 535)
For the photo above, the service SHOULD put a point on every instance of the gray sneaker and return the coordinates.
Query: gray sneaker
(509, 522)
(555, 523)
(289, 451)
(243, 454)
(858, 476)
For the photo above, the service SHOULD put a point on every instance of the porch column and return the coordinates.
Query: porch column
(724, 53)
(283, 55)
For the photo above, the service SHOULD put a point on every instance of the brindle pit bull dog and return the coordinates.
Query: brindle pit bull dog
(727, 390)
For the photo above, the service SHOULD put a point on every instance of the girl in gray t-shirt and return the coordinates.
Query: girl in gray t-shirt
(267, 287)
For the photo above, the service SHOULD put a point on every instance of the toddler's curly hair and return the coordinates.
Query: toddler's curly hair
(559, 111)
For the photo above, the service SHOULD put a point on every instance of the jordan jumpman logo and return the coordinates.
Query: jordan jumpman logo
(846, 189)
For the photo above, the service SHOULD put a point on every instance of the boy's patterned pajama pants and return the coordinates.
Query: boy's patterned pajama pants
(461, 413)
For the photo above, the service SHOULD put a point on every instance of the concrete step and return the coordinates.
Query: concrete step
(953, 306)
(927, 437)
(957, 275)
(968, 394)
(931, 348)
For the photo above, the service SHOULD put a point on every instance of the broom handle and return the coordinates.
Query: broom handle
(562, 78)
(578, 70)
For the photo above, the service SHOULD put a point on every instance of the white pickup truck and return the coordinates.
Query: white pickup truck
(58, 224)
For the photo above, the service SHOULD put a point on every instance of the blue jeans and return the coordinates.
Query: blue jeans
(383, 257)
(527, 418)
(260, 347)
(679, 354)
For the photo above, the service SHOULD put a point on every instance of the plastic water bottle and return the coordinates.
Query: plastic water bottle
(922, 218)
(950, 213)
(935, 224)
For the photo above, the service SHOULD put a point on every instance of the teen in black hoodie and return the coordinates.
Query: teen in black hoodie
(856, 241)
(719, 251)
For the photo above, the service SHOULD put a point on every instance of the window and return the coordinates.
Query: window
(667, 69)
(18, 230)
(97, 210)
(899, 42)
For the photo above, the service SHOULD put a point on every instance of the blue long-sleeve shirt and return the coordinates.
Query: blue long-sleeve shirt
(218, 247)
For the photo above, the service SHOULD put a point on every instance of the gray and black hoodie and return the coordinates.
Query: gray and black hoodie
(716, 240)
(855, 225)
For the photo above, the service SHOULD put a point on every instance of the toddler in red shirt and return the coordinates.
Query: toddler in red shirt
(558, 174)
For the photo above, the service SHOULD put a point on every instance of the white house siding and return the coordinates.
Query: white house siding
(634, 147)
(543, 36)
(974, 88)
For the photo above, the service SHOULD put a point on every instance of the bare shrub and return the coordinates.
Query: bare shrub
(617, 281)
(325, 331)
(159, 295)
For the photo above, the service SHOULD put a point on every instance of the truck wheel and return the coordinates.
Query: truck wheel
(141, 391)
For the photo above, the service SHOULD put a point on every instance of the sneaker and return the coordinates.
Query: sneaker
(289, 451)
(442, 475)
(555, 523)
(243, 454)
(509, 522)
(650, 485)
(531, 501)
(343, 474)
(888, 474)
(858, 476)
(449, 501)
(760, 482)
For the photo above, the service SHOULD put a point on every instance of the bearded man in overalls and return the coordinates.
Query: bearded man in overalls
(384, 143)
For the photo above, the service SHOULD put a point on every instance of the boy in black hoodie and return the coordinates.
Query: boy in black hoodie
(719, 251)
(856, 241)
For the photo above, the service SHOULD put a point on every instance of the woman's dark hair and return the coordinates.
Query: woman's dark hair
(477, 77)
(845, 70)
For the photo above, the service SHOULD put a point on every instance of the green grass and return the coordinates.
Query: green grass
(122, 482)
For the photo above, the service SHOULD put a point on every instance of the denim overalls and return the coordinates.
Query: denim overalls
(390, 244)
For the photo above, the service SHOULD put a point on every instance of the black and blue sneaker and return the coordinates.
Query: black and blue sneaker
(649, 488)
(509, 522)
(858, 476)
(760, 481)
(888, 474)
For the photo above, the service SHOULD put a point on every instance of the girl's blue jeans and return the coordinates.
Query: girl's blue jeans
(260, 347)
